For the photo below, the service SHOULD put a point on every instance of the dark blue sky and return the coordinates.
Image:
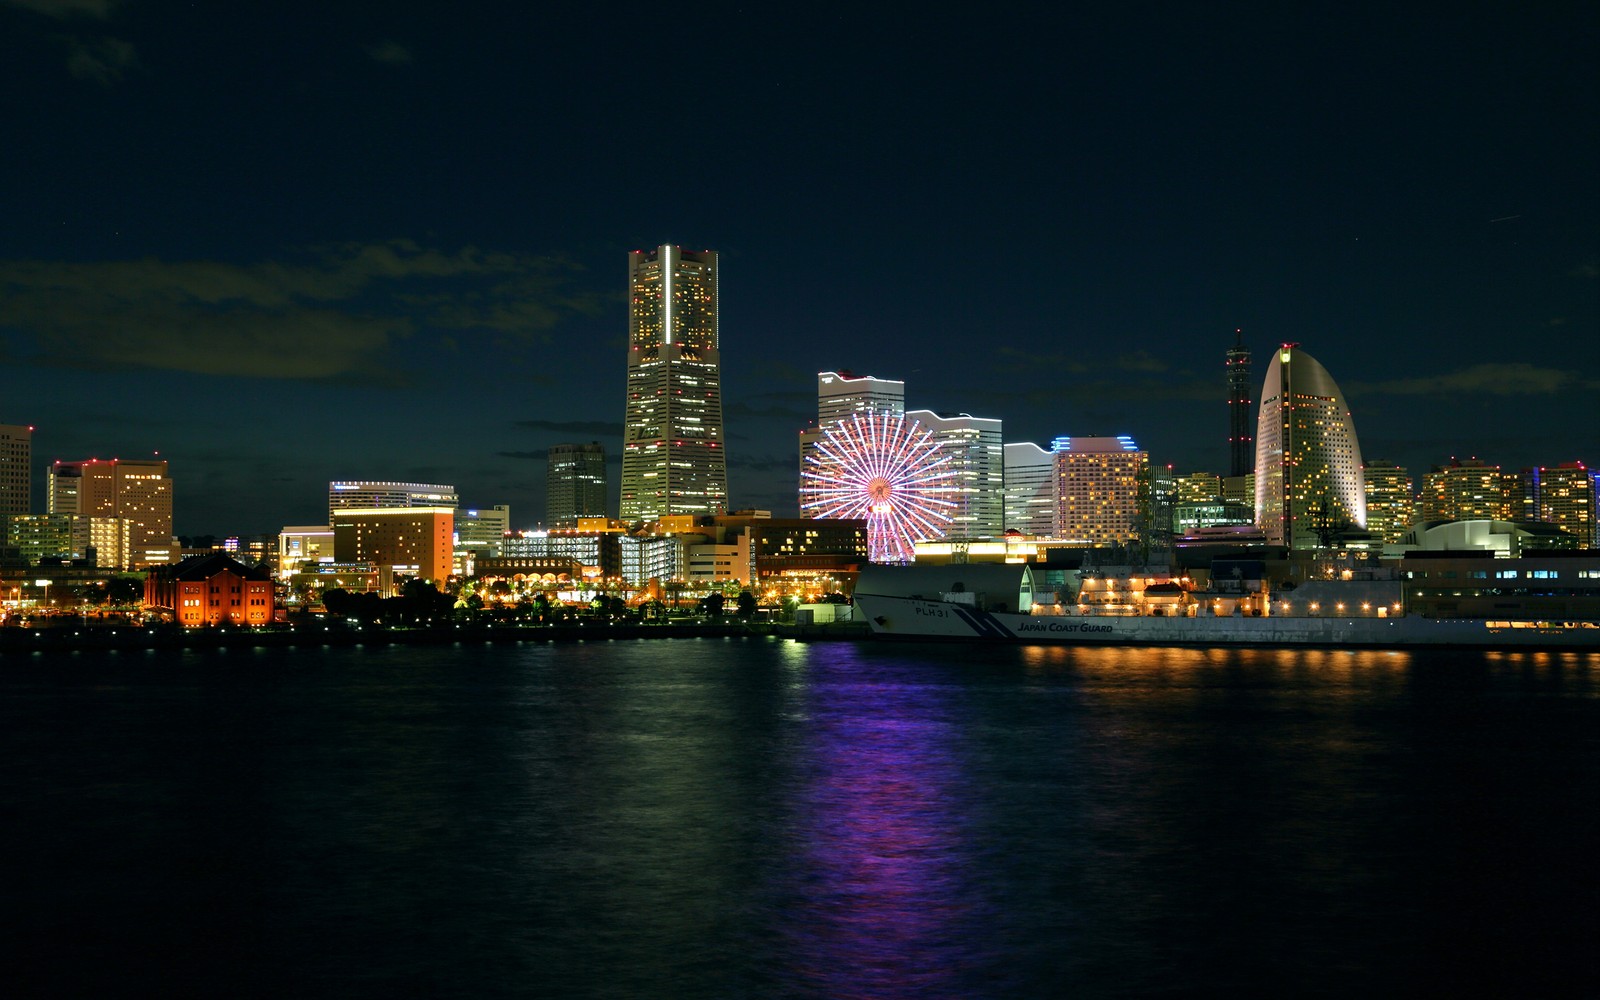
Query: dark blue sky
(300, 242)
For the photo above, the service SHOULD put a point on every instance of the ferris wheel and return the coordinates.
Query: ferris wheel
(888, 471)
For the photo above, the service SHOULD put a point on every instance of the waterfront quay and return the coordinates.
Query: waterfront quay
(16, 640)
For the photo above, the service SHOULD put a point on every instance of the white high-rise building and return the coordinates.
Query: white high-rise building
(841, 395)
(1030, 477)
(1308, 462)
(346, 494)
(978, 465)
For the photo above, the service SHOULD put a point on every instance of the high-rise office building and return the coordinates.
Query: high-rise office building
(977, 467)
(1565, 496)
(1308, 461)
(839, 396)
(1030, 478)
(346, 494)
(575, 483)
(1391, 502)
(1241, 439)
(16, 465)
(672, 443)
(136, 492)
(1465, 490)
(1102, 486)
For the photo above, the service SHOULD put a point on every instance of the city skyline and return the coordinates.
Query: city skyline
(393, 241)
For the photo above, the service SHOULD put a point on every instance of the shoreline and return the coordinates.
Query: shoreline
(16, 640)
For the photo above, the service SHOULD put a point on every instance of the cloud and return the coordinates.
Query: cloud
(580, 428)
(335, 314)
(1509, 379)
(1588, 269)
(66, 8)
(389, 52)
(529, 455)
(102, 60)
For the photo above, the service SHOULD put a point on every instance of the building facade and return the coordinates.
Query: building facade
(1564, 495)
(1391, 500)
(211, 590)
(482, 532)
(401, 541)
(841, 395)
(672, 446)
(1030, 489)
(978, 471)
(1308, 460)
(38, 537)
(347, 494)
(16, 469)
(575, 483)
(137, 492)
(1465, 490)
(1102, 490)
(1241, 425)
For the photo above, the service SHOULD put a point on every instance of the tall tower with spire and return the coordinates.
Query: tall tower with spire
(1241, 418)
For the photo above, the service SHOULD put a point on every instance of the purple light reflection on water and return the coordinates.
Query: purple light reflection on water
(885, 902)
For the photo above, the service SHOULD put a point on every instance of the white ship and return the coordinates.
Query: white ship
(994, 602)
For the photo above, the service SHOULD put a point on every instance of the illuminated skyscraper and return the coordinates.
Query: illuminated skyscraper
(1565, 496)
(1466, 490)
(1030, 478)
(1241, 445)
(840, 394)
(575, 483)
(16, 464)
(1391, 505)
(977, 464)
(672, 444)
(1101, 489)
(135, 492)
(1308, 461)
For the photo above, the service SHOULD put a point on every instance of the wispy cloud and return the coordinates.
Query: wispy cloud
(1517, 378)
(389, 52)
(333, 314)
(102, 60)
(528, 455)
(66, 8)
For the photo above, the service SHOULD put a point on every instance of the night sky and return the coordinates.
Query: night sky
(286, 243)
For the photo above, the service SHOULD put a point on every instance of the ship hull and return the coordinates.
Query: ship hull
(915, 619)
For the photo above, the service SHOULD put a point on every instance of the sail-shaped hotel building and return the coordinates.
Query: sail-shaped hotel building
(1308, 462)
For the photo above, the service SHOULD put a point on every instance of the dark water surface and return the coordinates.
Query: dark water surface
(759, 818)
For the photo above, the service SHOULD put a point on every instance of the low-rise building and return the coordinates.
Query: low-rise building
(211, 590)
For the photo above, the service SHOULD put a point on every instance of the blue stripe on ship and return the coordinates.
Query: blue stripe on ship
(982, 623)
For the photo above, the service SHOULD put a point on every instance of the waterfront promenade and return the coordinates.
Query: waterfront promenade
(19, 640)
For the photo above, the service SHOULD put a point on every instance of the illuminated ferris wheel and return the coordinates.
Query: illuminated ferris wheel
(890, 472)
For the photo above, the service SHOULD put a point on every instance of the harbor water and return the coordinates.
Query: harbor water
(764, 818)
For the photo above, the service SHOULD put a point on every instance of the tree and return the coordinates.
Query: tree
(711, 606)
(747, 605)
